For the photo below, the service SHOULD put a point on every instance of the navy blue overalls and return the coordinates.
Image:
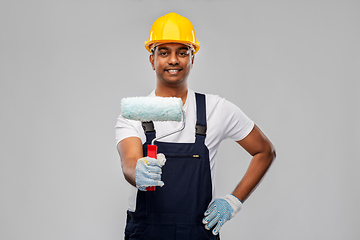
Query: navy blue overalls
(175, 211)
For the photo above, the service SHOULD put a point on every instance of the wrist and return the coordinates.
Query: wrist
(236, 198)
(234, 202)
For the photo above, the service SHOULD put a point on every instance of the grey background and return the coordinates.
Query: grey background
(291, 66)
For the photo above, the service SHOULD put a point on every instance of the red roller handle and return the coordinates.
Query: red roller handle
(152, 152)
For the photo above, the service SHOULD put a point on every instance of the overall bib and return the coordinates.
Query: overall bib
(175, 211)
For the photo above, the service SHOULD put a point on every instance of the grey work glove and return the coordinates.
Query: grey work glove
(220, 211)
(148, 172)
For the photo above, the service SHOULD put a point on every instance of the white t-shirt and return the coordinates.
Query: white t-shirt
(224, 120)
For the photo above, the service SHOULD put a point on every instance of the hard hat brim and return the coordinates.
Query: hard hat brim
(148, 44)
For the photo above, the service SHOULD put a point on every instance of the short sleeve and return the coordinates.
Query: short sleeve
(125, 128)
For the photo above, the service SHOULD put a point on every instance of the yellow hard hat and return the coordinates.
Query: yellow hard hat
(172, 28)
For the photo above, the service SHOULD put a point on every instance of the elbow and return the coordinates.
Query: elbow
(272, 153)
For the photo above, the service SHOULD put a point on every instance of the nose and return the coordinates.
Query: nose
(173, 59)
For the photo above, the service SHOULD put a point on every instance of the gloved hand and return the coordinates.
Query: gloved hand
(220, 211)
(148, 172)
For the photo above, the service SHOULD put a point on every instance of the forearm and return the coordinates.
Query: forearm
(258, 167)
(130, 150)
(129, 170)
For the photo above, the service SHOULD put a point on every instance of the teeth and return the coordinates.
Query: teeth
(173, 71)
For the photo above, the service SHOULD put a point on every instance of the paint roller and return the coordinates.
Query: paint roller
(147, 109)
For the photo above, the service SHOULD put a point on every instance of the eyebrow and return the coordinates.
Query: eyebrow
(180, 48)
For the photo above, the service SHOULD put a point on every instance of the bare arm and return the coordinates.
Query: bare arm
(263, 152)
(130, 150)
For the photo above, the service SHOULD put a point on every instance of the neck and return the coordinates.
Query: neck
(172, 92)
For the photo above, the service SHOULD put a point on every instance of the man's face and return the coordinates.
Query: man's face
(172, 63)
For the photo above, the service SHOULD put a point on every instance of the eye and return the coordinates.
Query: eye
(183, 53)
(163, 54)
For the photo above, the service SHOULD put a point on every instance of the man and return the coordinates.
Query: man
(183, 205)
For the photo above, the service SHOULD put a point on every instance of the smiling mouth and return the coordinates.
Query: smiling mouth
(173, 71)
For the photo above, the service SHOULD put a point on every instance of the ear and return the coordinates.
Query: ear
(192, 60)
(151, 59)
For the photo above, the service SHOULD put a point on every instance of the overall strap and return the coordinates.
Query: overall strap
(149, 131)
(201, 117)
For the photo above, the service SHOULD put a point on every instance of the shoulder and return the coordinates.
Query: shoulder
(210, 98)
(213, 98)
(219, 104)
